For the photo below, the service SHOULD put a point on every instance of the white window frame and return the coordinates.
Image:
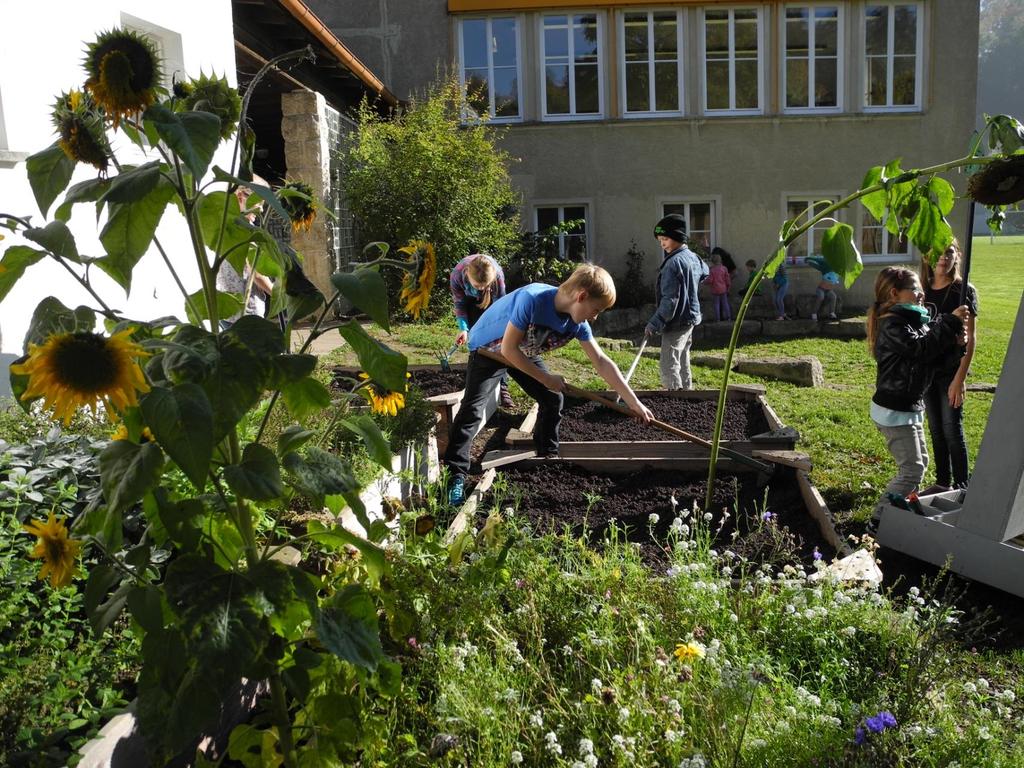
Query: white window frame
(759, 10)
(518, 118)
(168, 43)
(681, 52)
(689, 200)
(885, 257)
(601, 52)
(561, 205)
(807, 198)
(840, 58)
(890, 54)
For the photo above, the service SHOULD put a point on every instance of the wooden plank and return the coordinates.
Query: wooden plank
(788, 458)
(818, 509)
(634, 465)
(468, 508)
(774, 422)
(494, 459)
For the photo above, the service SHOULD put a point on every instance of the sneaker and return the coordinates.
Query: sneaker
(814, 316)
(833, 316)
(505, 400)
(933, 489)
(457, 493)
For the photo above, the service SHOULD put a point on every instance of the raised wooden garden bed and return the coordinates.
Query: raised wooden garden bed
(589, 430)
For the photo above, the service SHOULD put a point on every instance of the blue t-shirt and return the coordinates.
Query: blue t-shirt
(531, 309)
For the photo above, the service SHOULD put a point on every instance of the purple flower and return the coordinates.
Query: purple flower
(887, 718)
(859, 736)
(816, 554)
(875, 724)
(768, 516)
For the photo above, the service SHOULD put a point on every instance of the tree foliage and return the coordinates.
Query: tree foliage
(426, 173)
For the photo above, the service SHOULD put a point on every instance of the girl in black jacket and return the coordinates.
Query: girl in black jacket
(907, 347)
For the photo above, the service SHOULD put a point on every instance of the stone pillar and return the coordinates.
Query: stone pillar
(307, 156)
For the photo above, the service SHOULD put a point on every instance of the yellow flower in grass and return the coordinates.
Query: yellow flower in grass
(688, 652)
(124, 72)
(419, 280)
(386, 402)
(71, 370)
(57, 551)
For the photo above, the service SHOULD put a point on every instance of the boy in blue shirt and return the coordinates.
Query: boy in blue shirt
(521, 326)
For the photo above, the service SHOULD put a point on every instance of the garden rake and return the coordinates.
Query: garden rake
(586, 394)
(444, 357)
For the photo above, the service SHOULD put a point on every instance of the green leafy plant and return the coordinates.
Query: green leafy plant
(196, 466)
(633, 291)
(538, 259)
(912, 204)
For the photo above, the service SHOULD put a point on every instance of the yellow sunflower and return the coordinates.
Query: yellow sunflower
(419, 280)
(80, 125)
(75, 369)
(301, 210)
(57, 551)
(383, 401)
(124, 72)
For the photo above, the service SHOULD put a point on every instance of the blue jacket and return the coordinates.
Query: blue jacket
(675, 294)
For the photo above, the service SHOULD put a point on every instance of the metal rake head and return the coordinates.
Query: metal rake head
(443, 357)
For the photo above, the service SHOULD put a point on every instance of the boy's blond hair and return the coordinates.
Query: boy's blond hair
(594, 280)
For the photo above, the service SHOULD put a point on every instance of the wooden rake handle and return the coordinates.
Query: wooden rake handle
(663, 426)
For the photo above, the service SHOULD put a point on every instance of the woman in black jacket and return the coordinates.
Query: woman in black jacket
(907, 346)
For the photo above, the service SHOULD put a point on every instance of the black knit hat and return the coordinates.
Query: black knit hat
(673, 226)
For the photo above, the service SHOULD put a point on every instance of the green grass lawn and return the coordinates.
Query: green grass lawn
(851, 464)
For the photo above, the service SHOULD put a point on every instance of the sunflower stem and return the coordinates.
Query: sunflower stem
(279, 705)
(205, 273)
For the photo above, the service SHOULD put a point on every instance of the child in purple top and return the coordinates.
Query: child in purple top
(476, 282)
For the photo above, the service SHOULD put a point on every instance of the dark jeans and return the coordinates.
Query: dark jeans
(482, 376)
(949, 447)
(473, 313)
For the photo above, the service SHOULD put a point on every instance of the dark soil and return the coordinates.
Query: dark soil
(584, 420)
(432, 383)
(553, 496)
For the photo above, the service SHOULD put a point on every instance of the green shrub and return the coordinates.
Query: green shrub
(632, 290)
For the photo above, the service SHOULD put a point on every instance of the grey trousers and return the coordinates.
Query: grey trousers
(908, 447)
(675, 358)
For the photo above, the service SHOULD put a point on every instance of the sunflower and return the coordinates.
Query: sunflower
(419, 280)
(301, 208)
(75, 369)
(124, 72)
(1000, 182)
(214, 95)
(57, 551)
(383, 401)
(121, 433)
(80, 125)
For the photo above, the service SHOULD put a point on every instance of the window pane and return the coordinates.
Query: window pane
(476, 89)
(905, 29)
(896, 244)
(700, 217)
(587, 101)
(796, 37)
(718, 84)
(637, 93)
(876, 29)
(826, 34)
(576, 212)
(876, 81)
(825, 83)
(546, 218)
(903, 76)
(585, 38)
(506, 92)
(746, 85)
(871, 240)
(635, 28)
(716, 35)
(557, 88)
(666, 86)
(504, 34)
(666, 39)
(556, 43)
(796, 83)
(474, 43)
(746, 37)
(576, 247)
(670, 208)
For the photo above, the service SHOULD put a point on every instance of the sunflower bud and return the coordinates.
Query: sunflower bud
(124, 72)
(214, 95)
(301, 208)
(1000, 182)
(80, 126)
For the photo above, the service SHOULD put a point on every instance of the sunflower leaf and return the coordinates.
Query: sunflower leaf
(49, 172)
(338, 537)
(365, 288)
(56, 238)
(376, 444)
(305, 397)
(384, 365)
(88, 191)
(193, 136)
(228, 305)
(52, 317)
(128, 470)
(236, 230)
(348, 628)
(928, 228)
(292, 438)
(264, 193)
(133, 184)
(840, 252)
(182, 421)
(258, 476)
(129, 232)
(15, 261)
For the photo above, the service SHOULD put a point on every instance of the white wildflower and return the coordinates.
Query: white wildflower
(653, 518)
(586, 747)
(516, 758)
(536, 720)
(623, 714)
